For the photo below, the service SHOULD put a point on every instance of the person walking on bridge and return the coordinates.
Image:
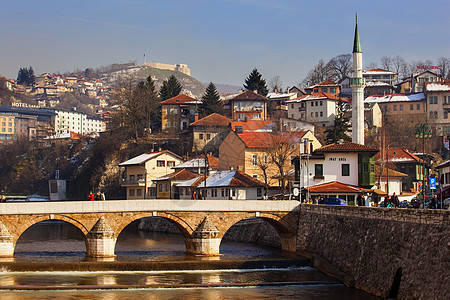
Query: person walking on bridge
(91, 196)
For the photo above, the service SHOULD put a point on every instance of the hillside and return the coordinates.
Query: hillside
(189, 83)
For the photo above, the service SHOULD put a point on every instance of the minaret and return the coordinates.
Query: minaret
(357, 84)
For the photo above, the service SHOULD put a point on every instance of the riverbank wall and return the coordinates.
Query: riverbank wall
(399, 253)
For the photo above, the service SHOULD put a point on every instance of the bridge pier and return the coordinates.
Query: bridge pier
(205, 239)
(101, 240)
(6, 242)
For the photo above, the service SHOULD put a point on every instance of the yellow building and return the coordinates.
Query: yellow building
(142, 169)
(7, 128)
(178, 112)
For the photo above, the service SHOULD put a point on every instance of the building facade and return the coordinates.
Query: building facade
(178, 112)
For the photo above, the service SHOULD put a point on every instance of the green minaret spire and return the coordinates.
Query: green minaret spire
(356, 42)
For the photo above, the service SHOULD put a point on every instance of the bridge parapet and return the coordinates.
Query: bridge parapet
(68, 207)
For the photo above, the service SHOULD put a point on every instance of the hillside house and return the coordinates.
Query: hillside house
(249, 105)
(178, 112)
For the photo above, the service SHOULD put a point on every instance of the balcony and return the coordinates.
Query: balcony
(357, 81)
(247, 108)
(133, 182)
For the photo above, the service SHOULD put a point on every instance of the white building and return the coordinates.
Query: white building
(68, 120)
(317, 108)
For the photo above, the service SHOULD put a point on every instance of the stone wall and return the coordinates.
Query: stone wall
(382, 251)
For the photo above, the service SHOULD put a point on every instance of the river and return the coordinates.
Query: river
(59, 242)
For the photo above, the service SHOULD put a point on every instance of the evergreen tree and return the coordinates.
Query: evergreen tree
(255, 82)
(340, 127)
(26, 76)
(211, 100)
(170, 88)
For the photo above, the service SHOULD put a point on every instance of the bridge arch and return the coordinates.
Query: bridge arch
(284, 230)
(184, 228)
(74, 224)
(29, 222)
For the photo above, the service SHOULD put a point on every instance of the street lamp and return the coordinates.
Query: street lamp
(423, 131)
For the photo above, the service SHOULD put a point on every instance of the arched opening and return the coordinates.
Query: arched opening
(253, 237)
(153, 238)
(51, 240)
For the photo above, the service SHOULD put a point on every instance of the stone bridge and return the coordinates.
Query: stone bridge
(202, 223)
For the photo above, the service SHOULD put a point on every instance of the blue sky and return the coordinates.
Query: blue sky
(221, 41)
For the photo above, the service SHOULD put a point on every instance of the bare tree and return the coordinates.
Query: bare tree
(319, 73)
(340, 66)
(275, 84)
(386, 63)
(444, 66)
(372, 65)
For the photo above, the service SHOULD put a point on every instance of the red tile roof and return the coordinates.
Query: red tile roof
(212, 160)
(245, 180)
(378, 70)
(250, 125)
(326, 83)
(392, 173)
(318, 96)
(399, 155)
(212, 120)
(335, 186)
(255, 139)
(249, 95)
(182, 174)
(345, 146)
(180, 99)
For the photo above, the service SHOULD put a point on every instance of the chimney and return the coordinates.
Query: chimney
(196, 117)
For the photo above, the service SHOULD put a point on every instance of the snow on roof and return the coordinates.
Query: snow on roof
(219, 179)
(281, 95)
(437, 87)
(377, 83)
(190, 182)
(140, 159)
(395, 98)
(378, 72)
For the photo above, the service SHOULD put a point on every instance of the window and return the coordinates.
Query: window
(171, 163)
(318, 170)
(317, 103)
(445, 114)
(411, 107)
(321, 103)
(433, 100)
(395, 107)
(255, 176)
(132, 177)
(401, 106)
(312, 116)
(160, 187)
(208, 136)
(160, 163)
(411, 119)
(324, 90)
(266, 160)
(321, 113)
(312, 103)
(223, 193)
(435, 114)
(258, 192)
(345, 170)
(138, 192)
(140, 176)
(365, 167)
(254, 160)
(418, 106)
(166, 187)
(131, 193)
(317, 114)
(299, 109)
(292, 105)
(333, 90)
(200, 136)
(316, 90)
(256, 116)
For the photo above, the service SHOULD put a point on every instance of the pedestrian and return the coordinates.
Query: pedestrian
(91, 196)
(394, 200)
(360, 200)
(387, 201)
(433, 202)
(193, 196)
(2, 197)
(97, 196)
(102, 196)
(375, 200)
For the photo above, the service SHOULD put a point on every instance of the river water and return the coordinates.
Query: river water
(60, 242)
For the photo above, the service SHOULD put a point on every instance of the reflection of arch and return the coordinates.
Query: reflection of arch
(35, 220)
(184, 228)
(284, 231)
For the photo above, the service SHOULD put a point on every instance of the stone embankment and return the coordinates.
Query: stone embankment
(254, 231)
(395, 253)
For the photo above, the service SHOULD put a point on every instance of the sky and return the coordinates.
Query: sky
(220, 41)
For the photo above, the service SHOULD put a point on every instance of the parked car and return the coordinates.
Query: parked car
(334, 201)
(446, 203)
(415, 203)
